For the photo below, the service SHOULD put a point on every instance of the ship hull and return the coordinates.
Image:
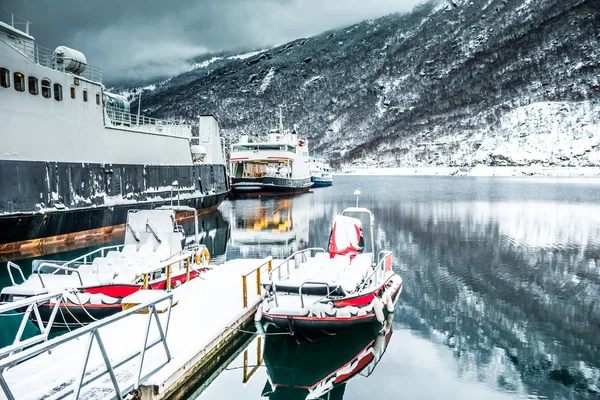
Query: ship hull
(70, 187)
(322, 182)
(260, 187)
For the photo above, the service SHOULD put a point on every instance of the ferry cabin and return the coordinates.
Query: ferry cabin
(276, 158)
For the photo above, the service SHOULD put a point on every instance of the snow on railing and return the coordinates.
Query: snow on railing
(45, 57)
(117, 118)
(14, 20)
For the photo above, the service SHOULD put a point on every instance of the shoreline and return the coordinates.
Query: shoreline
(479, 170)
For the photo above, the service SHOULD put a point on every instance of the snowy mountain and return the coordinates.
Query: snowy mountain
(453, 83)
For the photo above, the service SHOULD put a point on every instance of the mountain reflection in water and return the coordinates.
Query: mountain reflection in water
(501, 286)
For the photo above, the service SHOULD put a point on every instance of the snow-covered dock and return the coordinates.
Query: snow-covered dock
(204, 320)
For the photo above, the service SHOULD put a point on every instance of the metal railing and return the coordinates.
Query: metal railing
(31, 305)
(93, 330)
(117, 118)
(45, 57)
(14, 20)
(10, 266)
(269, 263)
(56, 269)
(294, 257)
(376, 277)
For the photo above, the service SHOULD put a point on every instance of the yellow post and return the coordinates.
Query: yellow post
(145, 284)
(187, 269)
(245, 366)
(244, 291)
(168, 277)
(258, 352)
(258, 281)
(270, 265)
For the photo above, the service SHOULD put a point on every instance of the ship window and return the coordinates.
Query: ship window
(98, 98)
(19, 82)
(72, 92)
(4, 78)
(85, 96)
(32, 83)
(46, 88)
(57, 92)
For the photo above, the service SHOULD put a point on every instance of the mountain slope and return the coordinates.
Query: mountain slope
(456, 83)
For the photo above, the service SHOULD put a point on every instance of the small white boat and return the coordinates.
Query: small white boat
(152, 257)
(316, 291)
(320, 172)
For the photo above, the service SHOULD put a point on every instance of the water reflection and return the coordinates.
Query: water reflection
(511, 288)
(268, 227)
(321, 369)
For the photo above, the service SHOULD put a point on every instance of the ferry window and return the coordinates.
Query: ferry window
(98, 98)
(57, 92)
(4, 78)
(46, 88)
(85, 96)
(32, 82)
(72, 92)
(19, 82)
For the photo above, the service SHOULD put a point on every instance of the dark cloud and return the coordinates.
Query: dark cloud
(135, 38)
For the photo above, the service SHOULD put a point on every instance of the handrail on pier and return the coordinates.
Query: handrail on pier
(93, 332)
(30, 304)
(269, 263)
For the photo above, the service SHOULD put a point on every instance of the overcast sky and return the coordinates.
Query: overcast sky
(145, 38)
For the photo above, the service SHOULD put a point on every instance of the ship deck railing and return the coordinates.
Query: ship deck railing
(14, 20)
(119, 119)
(41, 55)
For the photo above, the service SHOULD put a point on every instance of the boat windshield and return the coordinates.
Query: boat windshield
(367, 229)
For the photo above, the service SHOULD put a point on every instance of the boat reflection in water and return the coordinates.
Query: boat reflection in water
(321, 369)
(268, 227)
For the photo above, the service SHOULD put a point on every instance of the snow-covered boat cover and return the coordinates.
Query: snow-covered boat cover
(345, 236)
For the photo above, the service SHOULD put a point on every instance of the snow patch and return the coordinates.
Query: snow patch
(266, 81)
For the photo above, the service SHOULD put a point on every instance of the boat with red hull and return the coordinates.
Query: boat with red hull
(314, 291)
(97, 285)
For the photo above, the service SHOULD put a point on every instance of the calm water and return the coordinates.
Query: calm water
(501, 291)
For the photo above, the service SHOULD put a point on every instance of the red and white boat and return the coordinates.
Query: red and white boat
(94, 285)
(316, 291)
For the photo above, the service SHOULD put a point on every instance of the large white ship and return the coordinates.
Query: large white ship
(73, 159)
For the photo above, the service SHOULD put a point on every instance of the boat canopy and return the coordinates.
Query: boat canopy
(346, 237)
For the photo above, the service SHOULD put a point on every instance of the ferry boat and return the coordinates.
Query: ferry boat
(320, 172)
(321, 369)
(74, 160)
(314, 291)
(277, 166)
(153, 256)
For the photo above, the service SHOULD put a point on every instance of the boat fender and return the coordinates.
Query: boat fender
(343, 313)
(329, 311)
(389, 303)
(260, 329)
(378, 309)
(353, 311)
(258, 314)
(202, 252)
(361, 312)
(368, 308)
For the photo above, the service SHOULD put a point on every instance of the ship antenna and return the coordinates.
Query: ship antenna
(357, 193)
(139, 106)
(280, 120)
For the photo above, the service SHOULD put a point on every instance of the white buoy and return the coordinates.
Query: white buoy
(258, 314)
(378, 309)
(389, 303)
